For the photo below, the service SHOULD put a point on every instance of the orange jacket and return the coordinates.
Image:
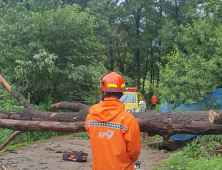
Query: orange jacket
(114, 136)
(154, 100)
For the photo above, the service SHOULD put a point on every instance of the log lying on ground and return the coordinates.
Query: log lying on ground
(164, 124)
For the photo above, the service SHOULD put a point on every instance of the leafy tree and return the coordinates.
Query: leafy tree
(177, 12)
(107, 32)
(115, 38)
(192, 75)
(55, 50)
(141, 20)
(130, 18)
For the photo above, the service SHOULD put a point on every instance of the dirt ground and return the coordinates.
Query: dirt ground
(42, 155)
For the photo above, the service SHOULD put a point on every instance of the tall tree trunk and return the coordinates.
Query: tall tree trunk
(159, 57)
(122, 68)
(159, 60)
(137, 21)
(177, 12)
(146, 70)
(138, 68)
(120, 63)
(151, 66)
(111, 56)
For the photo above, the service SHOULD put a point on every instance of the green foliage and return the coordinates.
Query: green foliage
(195, 155)
(212, 104)
(142, 140)
(25, 138)
(81, 135)
(192, 74)
(54, 49)
(155, 138)
(179, 161)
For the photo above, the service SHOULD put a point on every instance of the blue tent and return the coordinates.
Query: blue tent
(216, 96)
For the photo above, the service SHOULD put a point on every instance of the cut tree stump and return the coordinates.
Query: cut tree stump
(215, 116)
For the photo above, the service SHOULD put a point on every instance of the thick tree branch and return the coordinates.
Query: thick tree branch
(125, 27)
(15, 94)
(9, 139)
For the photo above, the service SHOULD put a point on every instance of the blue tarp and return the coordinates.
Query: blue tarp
(216, 96)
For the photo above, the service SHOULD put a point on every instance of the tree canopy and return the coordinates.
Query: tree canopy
(55, 50)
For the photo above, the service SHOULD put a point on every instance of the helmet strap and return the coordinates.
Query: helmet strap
(103, 95)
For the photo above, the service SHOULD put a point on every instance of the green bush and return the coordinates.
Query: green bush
(192, 156)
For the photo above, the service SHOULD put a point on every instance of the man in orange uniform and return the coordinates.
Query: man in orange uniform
(114, 132)
(154, 101)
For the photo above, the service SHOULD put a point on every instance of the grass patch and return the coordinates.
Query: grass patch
(145, 138)
(82, 135)
(179, 161)
(25, 138)
(155, 138)
(14, 146)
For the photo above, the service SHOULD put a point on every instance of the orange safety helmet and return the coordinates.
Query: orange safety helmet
(112, 82)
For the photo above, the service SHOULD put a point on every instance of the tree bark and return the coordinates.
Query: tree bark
(111, 55)
(21, 125)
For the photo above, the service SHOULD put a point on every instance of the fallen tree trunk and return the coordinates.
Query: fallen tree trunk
(164, 124)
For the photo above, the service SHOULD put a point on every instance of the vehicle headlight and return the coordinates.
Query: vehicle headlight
(131, 110)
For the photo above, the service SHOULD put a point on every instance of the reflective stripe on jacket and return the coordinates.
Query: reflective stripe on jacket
(114, 136)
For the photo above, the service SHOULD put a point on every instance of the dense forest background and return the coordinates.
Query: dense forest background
(54, 50)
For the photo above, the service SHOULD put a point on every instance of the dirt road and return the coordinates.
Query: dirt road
(41, 155)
